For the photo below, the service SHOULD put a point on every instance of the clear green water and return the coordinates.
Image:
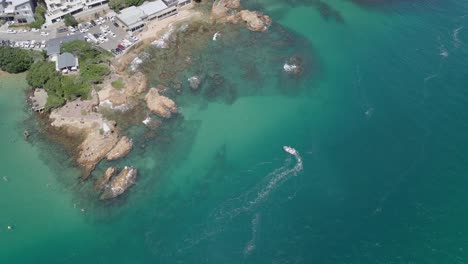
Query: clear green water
(215, 185)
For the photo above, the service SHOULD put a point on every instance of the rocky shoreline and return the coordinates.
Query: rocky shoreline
(101, 138)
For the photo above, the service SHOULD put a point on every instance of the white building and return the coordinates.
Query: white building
(57, 9)
(21, 11)
(133, 18)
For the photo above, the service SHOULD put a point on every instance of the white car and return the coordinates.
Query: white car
(34, 30)
(44, 33)
(23, 31)
(113, 34)
(10, 31)
(9, 23)
(72, 29)
(43, 46)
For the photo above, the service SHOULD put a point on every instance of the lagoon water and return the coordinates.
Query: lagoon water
(378, 118)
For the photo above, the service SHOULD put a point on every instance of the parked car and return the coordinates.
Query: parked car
(34, 30)
(93, 23)
(120, 46)
(43, 33)
(11, 31)
(23, 31)
(9, 23)
(62, 29)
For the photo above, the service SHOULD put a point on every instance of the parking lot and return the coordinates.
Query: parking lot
(104, 34)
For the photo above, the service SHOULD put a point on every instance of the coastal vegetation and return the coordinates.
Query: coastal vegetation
(61, 88)
(15, 60)
(118, 84)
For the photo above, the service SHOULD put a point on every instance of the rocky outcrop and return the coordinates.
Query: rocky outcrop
(229, 10)
(95, 147)
(102, 182)
(255, 21)
(159, 104)
(121, 149)
(136, 84)
(120, 183)
(194, 82)
(222, 8)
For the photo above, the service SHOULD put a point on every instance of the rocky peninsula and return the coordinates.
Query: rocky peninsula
(101, 137)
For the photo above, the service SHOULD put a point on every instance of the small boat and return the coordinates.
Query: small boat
(216, 35)
(290, 150)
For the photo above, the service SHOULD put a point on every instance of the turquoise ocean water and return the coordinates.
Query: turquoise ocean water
(377, 117)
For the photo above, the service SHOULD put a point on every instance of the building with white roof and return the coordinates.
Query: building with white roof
(20, 11)
(134, 18)
(57, 9)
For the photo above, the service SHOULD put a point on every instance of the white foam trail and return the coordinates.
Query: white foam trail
(248, 201)
(277, 177)
(456, 40)
(443, 51)
(251, 244)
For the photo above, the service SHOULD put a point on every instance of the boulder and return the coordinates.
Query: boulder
(255, 21)
(95, 147)
(102, 182)
(222, 8)
(121, 149)
(120, 183)
(194, 82)
(160, 105)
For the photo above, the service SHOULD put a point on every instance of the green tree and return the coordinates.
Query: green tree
(39, 17)
(15, 60)
(40, 73)
(70, 20)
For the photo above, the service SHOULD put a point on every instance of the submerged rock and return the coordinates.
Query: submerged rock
(194, 82)
(121, 149)
(101, 183)
(293, 66)
(159, 104)
(120, 183)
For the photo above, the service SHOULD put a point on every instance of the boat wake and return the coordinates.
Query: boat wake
(251, 244)
(249, 201)
(257, 195)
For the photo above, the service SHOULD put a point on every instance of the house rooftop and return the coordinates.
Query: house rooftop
(60, 40)
(150, 8)
(131, 16)
(53, 49)
(66, 60)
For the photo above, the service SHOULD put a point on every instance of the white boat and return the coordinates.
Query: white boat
(290, 150)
